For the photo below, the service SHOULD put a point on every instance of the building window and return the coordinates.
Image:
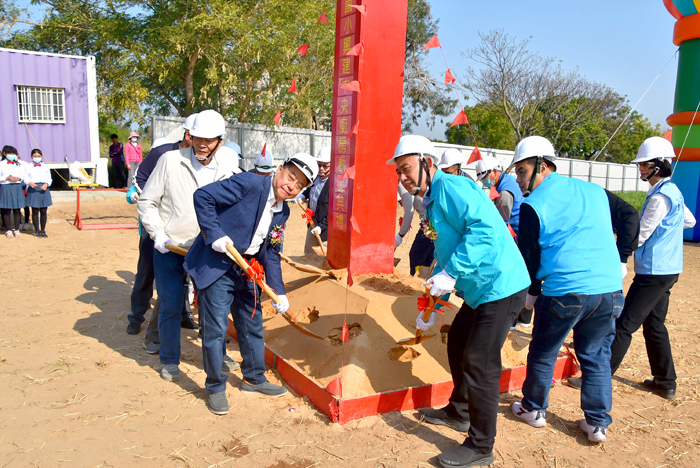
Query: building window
(40, 105)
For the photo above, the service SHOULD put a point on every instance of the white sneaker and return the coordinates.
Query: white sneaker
(596, 434)
(534, 418)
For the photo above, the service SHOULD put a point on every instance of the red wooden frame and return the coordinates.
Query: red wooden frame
(78, 221)
(343, 410)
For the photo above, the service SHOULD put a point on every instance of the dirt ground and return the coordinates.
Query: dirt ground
(76, 390)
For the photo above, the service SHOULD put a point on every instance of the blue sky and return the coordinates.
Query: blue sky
(621, 43)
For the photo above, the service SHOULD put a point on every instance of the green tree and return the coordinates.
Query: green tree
(491, 129)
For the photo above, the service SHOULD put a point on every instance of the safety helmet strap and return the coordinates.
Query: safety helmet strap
(534, 174)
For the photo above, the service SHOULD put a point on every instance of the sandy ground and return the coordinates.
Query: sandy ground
(78, 391)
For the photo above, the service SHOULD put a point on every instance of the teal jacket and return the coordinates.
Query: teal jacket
(473, 243)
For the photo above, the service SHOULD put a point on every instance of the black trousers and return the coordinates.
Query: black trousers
(646, 305)
(421, 253)
(474, 345)
(142, 293)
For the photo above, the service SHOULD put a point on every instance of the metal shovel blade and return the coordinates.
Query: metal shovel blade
(418, 339)
(300, 328)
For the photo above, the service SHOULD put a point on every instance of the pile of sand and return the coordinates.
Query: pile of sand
(395, 283)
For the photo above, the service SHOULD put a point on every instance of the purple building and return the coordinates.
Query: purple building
(49, 101)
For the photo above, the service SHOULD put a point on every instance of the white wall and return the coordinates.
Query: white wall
(284, 141)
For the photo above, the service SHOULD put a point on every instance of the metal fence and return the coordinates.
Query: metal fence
(283, 141)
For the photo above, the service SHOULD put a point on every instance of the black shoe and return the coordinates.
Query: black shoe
(667, 393)
(43, 234)
(464, 457)
(188, 322)
(574, 382)
(38, 234)
(440, 417)
(265, 388)
(133, 328)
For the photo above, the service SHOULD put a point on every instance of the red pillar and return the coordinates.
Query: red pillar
(362, 220)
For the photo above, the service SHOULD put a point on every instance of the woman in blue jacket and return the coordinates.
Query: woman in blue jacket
(477, 256)
(657, 263)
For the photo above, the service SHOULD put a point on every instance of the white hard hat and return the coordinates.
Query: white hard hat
(450, 158)
(189, 122)
(266, 163)
(655, 148)
(324, 155)
(208, 124)
(488, 163)
(307, 165)
(531, 147)
(160, 142)
(234, 146)
(414, 144)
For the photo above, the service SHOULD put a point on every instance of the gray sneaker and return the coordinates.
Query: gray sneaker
(266, 388)
(170, 372)
(229, 365)
(150, 347)
(217, 403)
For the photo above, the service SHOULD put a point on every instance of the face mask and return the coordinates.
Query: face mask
(36, 160)
(134, 140)
(11, 157)
(487, 182)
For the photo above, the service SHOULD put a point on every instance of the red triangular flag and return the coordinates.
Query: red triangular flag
(352, 86)
(460, 119)
(449, 78)
(493, 193)
(361, 8)
(264, 149)
(350, 281)
(335, 387)
(303, 49)
(345, 334)
(475, 156)
(432, 43)
(355, 129)
(349, 173)
(355, 226)
(323, 19)
(293, 87)
(357, 49)
(278, 116)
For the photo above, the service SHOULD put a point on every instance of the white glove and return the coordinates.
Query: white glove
(421, 325)
(316, 230)
(132, 197)
(442, 283)
(220, 244)
(530, 301)
(282, 306)
(397, 240)
(624, 270)
(160, 241)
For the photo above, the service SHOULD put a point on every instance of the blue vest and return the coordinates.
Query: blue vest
(662, 253)
(578, 251)
(508, 183)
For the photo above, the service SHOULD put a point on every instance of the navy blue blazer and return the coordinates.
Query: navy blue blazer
(233, 207)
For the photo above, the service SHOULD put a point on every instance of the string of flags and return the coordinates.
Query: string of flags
(461, 117)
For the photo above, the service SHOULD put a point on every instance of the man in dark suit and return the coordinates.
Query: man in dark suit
(317, 197)
(248, 212)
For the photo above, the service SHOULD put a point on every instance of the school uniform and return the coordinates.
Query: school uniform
(658, 262)
(243, 208)
(39, 174)
(12, 193)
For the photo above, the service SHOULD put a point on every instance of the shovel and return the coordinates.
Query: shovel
(308, 268)
(178, 250)
(318, 236)
(418, 339)
(236, 257)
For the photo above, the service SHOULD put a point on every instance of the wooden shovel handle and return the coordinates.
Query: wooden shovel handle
(311, 223)
(431, 305)
(178, 250)
(236, 257)
(320, 243)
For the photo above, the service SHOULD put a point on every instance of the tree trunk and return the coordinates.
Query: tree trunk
(189, 81)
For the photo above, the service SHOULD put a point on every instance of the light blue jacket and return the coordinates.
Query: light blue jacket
(662, 253)
(473, 243)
